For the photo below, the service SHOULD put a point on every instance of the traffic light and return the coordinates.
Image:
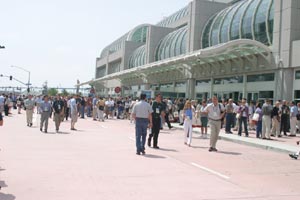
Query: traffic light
(10, 78)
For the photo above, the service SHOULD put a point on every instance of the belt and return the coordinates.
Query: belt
(214, 119)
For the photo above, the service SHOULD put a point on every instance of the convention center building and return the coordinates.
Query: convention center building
(246, 48)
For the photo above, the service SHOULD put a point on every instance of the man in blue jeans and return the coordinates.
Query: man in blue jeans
(142, 113)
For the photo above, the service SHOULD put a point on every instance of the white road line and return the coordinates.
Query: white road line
(210, 171)
(131, 138)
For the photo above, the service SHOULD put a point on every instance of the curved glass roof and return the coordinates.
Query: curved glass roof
(174, 17)
(246, 19)
(138, 34)
(173, 44)
(138, 57)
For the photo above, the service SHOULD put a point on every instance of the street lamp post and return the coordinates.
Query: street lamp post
(28, 84)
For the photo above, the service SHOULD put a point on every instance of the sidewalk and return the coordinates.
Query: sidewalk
(284, 144)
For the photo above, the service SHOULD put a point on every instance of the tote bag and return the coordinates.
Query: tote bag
(255, 117)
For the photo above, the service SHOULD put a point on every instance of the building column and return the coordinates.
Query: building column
(245, 86)
(284, 84)
(211, 87)
(190, 88)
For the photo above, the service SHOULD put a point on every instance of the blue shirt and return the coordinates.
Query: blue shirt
(45, 107)
(294, 111)
(188, 113)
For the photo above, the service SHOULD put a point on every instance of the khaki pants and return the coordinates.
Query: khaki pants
(29, 114)
(95, 112)
(215, 127)
(293, 123)
(266, 126)
(57, 119)
(275, 127)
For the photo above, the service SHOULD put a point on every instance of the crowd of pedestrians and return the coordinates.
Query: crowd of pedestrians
(278, 120)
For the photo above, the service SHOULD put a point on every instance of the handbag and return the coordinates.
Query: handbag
(238, 115)
(255, 117)
(175, 114)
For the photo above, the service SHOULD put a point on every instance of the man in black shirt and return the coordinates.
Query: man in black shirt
(285, 115)
(58, 107)
(157, 108)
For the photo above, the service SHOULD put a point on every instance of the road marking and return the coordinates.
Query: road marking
(103, 126)
(131, 138)
(210, 171)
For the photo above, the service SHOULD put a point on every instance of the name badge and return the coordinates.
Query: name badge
(46, 109)
(215, 114)
(157, 110)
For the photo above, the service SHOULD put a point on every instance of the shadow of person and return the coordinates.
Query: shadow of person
(164, 149)
(2, 184)
(198, 147)
(153, 156)
(61, 132)
(230, 153)
(6, 196)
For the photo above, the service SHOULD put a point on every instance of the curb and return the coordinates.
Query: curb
(263, 144)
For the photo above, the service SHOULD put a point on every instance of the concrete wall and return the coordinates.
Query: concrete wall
(129, 48)
(286, 30)
(296, 53)
(156, 33)
(201, 11)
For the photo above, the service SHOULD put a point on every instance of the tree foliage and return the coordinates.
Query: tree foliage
(52, 92)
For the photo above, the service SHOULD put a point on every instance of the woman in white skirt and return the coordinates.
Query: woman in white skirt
(188, 117)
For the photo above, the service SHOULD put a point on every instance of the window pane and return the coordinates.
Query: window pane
(266, 94)
(297, 75)
(203, 82)
(261, 77)
(228, 80)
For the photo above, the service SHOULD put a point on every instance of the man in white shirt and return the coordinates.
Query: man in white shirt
(74, 112)
(215, 112)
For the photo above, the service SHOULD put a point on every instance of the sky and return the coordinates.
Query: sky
(58, 41)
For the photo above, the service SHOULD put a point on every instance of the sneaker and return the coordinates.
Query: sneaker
(156, 147)
(138, 153)
(143, 152)
(211, 149)
(292, 155)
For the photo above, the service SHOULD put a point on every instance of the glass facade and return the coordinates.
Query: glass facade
(138, 57)
(261, 77)
(297, 75)
(228, 80)
(174, 17)
(101, 71)
(297, 95)
(247, 19)
(200, 83)
(114, 67)
(173, 44)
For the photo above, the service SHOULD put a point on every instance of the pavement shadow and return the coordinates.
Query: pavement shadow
(61, 132)
(230, 153)
(198, 147)
(153, 156)
(2, 184)
(7, 196)
(164, 149)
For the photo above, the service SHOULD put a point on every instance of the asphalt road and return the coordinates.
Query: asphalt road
(98, 161)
